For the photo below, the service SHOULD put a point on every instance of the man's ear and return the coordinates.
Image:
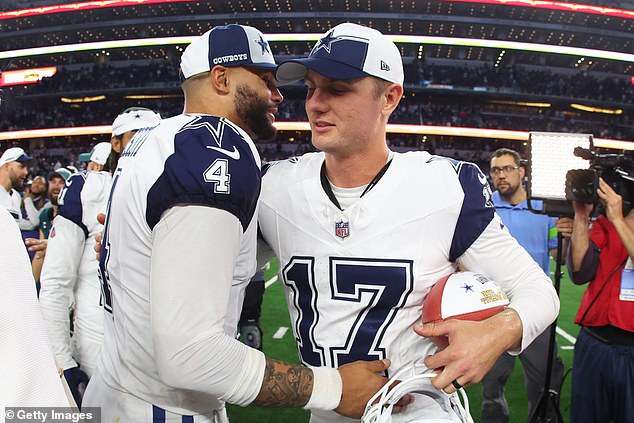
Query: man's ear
(392, 95)
(220, 79)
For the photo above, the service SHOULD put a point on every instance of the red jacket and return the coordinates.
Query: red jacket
(600, 304)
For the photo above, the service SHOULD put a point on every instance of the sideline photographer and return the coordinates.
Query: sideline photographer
(603, 366)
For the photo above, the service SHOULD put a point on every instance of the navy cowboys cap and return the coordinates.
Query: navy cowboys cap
(347, 51)
(227, 45)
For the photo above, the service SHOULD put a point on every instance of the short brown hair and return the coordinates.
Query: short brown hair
(380, 85)
(507, 152)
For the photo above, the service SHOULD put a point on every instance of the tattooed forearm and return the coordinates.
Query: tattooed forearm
(285, 385)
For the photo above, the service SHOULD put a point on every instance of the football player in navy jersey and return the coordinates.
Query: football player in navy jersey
(179, 248)
(69, 272)
(362, 233)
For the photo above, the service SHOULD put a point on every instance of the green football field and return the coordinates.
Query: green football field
(279, 343)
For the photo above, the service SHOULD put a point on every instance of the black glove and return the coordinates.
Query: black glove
(77, 380)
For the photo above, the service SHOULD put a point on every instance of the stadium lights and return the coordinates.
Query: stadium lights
(26, 76)
(82, 99)
(74, 7)
(98, 45)
(550, 158)
(523, 103)
(152, 96)
(596, 109)
(559, 5)
(424, 130)
(107, 4)
(56, 132)
(403, 39)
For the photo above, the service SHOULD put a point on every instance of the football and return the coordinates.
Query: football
(464, 296)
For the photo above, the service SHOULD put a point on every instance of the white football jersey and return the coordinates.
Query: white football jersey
(29, 374)
(186, 159)
(70, 272)
(12, 201)
(355, 279)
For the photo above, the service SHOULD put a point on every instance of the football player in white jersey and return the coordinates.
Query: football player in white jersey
(13, 173)
(362, 233)
(28, 372)
(179, 248)
(70, 271)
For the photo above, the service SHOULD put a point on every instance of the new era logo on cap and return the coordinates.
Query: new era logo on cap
(228, 45)
(347, 51)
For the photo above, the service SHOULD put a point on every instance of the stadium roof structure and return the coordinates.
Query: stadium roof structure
(539, 22)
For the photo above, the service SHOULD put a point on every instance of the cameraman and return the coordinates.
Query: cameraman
(603, 366)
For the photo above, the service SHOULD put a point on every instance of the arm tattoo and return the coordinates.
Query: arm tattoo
(285, 385)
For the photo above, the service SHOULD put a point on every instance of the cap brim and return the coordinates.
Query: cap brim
(24, 158)
(294, 70)
(84, 157)
(266, 66)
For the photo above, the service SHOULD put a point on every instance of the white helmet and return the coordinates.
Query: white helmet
(414, 380)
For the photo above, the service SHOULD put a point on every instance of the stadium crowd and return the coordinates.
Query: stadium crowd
(578, 84)
(439, 99)
(427, 110)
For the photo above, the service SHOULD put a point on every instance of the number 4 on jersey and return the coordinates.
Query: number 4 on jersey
(218, 174)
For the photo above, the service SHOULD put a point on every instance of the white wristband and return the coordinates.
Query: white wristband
(327, 389)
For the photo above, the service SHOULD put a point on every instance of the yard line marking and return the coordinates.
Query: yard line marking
(567, 347)
(568, 337)
(280, 332)
(267, 266)
(270, 282)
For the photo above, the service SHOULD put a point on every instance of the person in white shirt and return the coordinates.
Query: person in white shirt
(39, 193)
(97, 158)
(37, 246)
(362, 233)
(69, 277)
(178, 250)
(28, 372)
(13, 173)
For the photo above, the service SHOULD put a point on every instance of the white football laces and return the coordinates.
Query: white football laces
(380, 406)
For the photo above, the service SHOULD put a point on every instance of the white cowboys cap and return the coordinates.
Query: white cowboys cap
(133, 119)
(99, 154)
(230, 46)
(14, 154)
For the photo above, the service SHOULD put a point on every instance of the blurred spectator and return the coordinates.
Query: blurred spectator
(13, 173)
(37, 192)
(537, 234)
(37, 245)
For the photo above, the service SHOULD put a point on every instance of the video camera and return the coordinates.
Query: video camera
(566, 166)
(616, 169)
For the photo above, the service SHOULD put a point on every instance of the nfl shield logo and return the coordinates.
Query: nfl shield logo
(342, 229)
